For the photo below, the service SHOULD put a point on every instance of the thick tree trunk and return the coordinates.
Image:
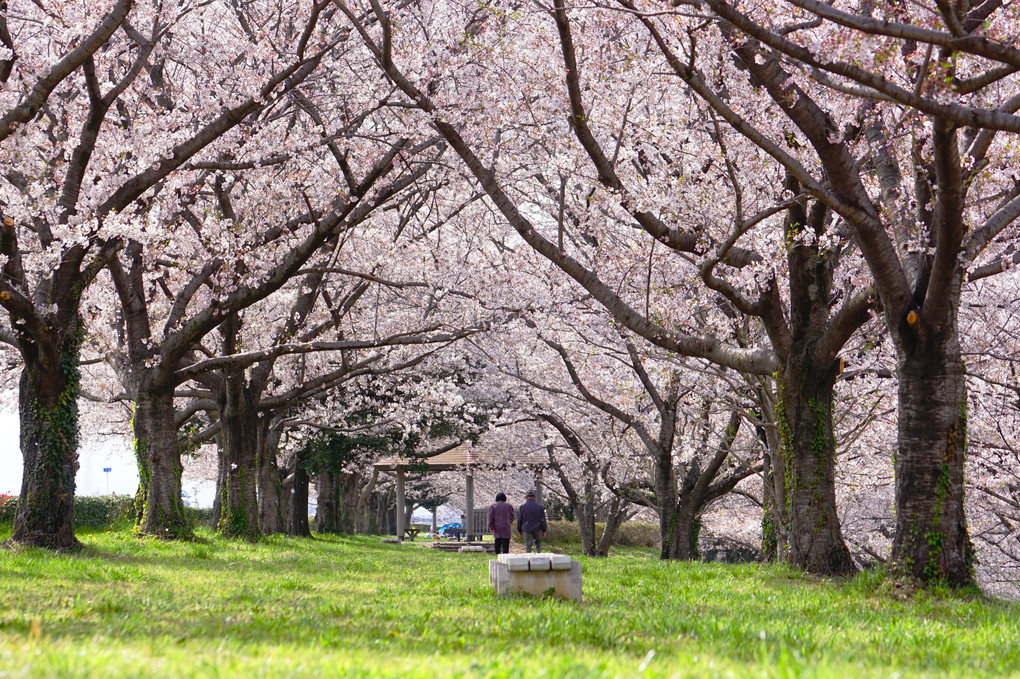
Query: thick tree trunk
(48, 406)
(327, 513)
(239, 516)
(807, 473)
(666, 501)
(932, 543)
(270, 486)
(347, 507)
(297, 522)
(686, 529)
(161, 511)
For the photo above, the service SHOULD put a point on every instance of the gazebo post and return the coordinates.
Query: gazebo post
(538, 486)
(401, 502)
(469, 501)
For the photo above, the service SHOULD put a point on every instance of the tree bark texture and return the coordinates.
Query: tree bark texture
(161, 511)
(239, 516)
(812, 539)
(932, 543)
(617, 512)
(684, 525)
(327, 512)
(379, 516)
(270, 486)
(48, 406)
(347, 507)
(297, 522)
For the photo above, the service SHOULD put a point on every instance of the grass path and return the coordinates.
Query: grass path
(355, 607)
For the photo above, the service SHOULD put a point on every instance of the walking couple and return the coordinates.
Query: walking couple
(531, 523)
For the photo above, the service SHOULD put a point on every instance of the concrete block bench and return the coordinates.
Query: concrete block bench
(536, 574)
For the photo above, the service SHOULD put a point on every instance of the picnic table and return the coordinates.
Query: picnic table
(411, 533)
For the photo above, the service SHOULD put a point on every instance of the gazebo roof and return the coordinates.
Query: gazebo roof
(461, 457)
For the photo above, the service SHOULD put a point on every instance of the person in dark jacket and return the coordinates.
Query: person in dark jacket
(531, 523)
(501, 523)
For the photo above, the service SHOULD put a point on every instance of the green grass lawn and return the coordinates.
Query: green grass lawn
(354, 607)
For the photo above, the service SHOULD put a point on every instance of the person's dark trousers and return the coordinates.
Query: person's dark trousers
(532, 541)
(502, 545)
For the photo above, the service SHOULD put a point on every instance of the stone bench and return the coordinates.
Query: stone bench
(537, 574)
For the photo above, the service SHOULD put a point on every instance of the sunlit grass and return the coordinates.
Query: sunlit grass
(127, 607)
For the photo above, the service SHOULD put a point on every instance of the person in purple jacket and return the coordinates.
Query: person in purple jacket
(501, 522)
(531, 523)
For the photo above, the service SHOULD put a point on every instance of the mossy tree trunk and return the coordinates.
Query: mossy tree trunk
(811, 536)
(48, 408)
(270, 486)
(932, 542)
(803, 466)
(239, 515)
(158, 453)
(684, 528)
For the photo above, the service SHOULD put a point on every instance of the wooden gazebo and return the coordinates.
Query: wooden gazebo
(469, 459)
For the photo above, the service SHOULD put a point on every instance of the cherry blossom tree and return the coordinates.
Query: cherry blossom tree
(71, 196)
(892, 117)
(803, 351)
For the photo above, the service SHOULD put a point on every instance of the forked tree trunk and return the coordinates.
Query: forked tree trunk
(157, 451)
(361, 518)
(932, 542)
(48, 407)
(614, 517)
(806, 470)
(678, 524)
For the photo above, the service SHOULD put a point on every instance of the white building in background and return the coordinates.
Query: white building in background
(113, 454)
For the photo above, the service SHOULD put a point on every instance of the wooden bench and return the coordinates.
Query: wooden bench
(411, 533)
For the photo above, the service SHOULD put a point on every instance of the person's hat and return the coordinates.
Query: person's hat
(530, 493)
